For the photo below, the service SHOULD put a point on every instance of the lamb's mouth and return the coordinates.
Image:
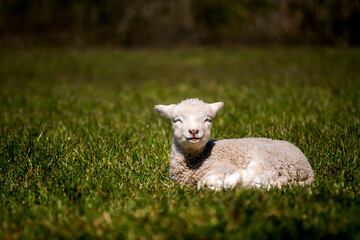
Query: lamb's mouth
(193, 140)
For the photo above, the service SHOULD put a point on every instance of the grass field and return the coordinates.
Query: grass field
(83, 155)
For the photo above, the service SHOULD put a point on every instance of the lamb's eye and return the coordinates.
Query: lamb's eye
(177, 120)
(208, 120)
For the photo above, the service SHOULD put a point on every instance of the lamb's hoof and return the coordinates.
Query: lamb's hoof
(212, 182)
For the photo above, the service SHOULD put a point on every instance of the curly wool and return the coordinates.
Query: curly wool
(279, 160)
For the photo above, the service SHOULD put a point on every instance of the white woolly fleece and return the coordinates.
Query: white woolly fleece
(217, 164)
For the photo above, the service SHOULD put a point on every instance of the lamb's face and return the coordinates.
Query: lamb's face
(191, 120)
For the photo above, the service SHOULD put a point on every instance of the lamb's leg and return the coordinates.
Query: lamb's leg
(231, 180)
(256, 173)
(249, 177)
(212, 181)
(254, 176)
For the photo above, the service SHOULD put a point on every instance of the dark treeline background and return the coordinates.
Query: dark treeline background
(153, 23)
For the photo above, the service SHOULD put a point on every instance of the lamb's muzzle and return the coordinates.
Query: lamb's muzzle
(194, 132)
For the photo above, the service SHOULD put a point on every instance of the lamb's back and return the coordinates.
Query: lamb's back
(280, 156)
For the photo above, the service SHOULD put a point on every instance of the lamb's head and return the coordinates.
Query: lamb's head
(191, 120)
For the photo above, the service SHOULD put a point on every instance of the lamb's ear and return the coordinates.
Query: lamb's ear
(164, 110)
(216, 107)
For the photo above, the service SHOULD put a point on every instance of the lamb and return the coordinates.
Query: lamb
(223, 164)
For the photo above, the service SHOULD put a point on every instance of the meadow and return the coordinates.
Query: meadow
(83, 155)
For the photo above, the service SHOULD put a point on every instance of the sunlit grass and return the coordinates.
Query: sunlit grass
(83, 154)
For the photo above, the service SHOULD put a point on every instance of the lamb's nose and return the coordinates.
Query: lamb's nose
(193, 132)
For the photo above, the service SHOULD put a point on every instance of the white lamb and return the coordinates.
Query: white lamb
(217, 164)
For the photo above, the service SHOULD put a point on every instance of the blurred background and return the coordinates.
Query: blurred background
(164, 23)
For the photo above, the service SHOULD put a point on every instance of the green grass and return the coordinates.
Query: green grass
(83, 154)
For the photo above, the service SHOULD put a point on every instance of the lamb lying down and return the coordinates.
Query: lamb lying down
(217, 164)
